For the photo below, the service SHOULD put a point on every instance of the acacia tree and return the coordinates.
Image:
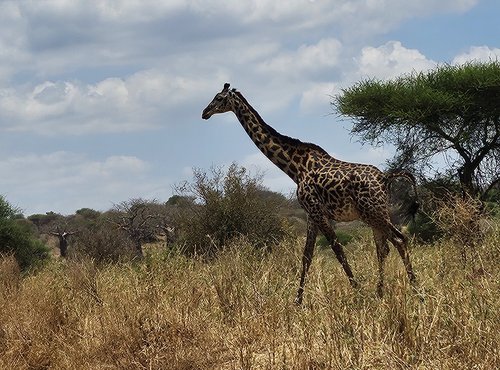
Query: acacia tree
(452, 110)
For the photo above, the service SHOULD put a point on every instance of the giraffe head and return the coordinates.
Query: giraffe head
(220, 104)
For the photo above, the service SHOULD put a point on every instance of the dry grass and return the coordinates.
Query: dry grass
(237, 312)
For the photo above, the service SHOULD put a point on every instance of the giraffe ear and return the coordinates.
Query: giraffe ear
(226, 86)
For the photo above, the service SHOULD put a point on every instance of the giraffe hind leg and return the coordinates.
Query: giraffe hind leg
(402, 247)
(401, 243)
(382, 252)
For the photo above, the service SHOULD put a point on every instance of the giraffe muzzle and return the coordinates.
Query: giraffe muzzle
(206, 114)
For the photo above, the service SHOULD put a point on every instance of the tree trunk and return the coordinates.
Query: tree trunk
(138, 249)
(466, 177)
(63, 246)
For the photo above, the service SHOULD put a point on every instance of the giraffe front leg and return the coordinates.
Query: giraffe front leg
(339, 253)
(327, 230)
(312, 232)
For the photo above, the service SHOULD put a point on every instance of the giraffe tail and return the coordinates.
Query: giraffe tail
(414, 205)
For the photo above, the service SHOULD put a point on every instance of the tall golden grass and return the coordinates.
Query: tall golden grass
(237, 312)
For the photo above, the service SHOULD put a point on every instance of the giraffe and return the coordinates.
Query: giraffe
(327, 188)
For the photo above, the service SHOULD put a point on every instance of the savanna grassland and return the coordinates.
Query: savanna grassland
(237, 312)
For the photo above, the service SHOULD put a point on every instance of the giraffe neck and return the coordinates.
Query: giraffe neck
(280, 149)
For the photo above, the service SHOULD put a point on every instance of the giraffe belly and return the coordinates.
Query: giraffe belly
(342, 212)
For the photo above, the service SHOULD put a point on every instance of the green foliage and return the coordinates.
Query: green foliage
(229, 205)
(425, 228)
(344, 238)
(6, 210)
(88, 213)
(17, 237)
(179, 201)
(492, 202)
(452, 110)
(42, 221)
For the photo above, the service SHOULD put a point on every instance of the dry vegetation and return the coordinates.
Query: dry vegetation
(237, 312)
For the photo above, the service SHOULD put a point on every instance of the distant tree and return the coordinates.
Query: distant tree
(61, 226)
(42, 221)
(452, 111)
(177, 200)
(101, 242)
(88, 213)
(165, 221)
(138, 219)
(63, 238)
(6, 210)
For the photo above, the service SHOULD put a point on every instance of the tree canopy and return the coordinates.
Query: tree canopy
(451, 110)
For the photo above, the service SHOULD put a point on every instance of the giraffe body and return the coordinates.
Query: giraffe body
(327, 188)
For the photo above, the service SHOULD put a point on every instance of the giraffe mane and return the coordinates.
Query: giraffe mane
(286, 139)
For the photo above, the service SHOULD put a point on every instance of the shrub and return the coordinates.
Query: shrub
(227, 205)
(102, 242)
(450, 215)
(424, 228)
(458, 217)
(18, 238)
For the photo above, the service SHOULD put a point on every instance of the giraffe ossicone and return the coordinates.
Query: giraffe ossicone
(327, 188)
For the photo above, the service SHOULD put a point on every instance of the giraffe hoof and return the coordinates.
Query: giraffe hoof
(355, 284)
(380, 290)
(298, 301)
(417, 291)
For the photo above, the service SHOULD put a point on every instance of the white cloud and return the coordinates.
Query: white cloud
(306, 59)
(224, 41)
(318, 97)
(53, 37)
(135, 103)
(66, 181)
(478, 53)
(391, 60)
(12, 41)
(376, 156)
(66, 168)
(355, 15)
(62, 107)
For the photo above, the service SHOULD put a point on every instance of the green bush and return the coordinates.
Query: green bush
(228, 205)
(424, 228)
(343, 237)
(492, 203)
(17, 237)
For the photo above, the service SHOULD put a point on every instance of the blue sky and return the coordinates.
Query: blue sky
(100, 101)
